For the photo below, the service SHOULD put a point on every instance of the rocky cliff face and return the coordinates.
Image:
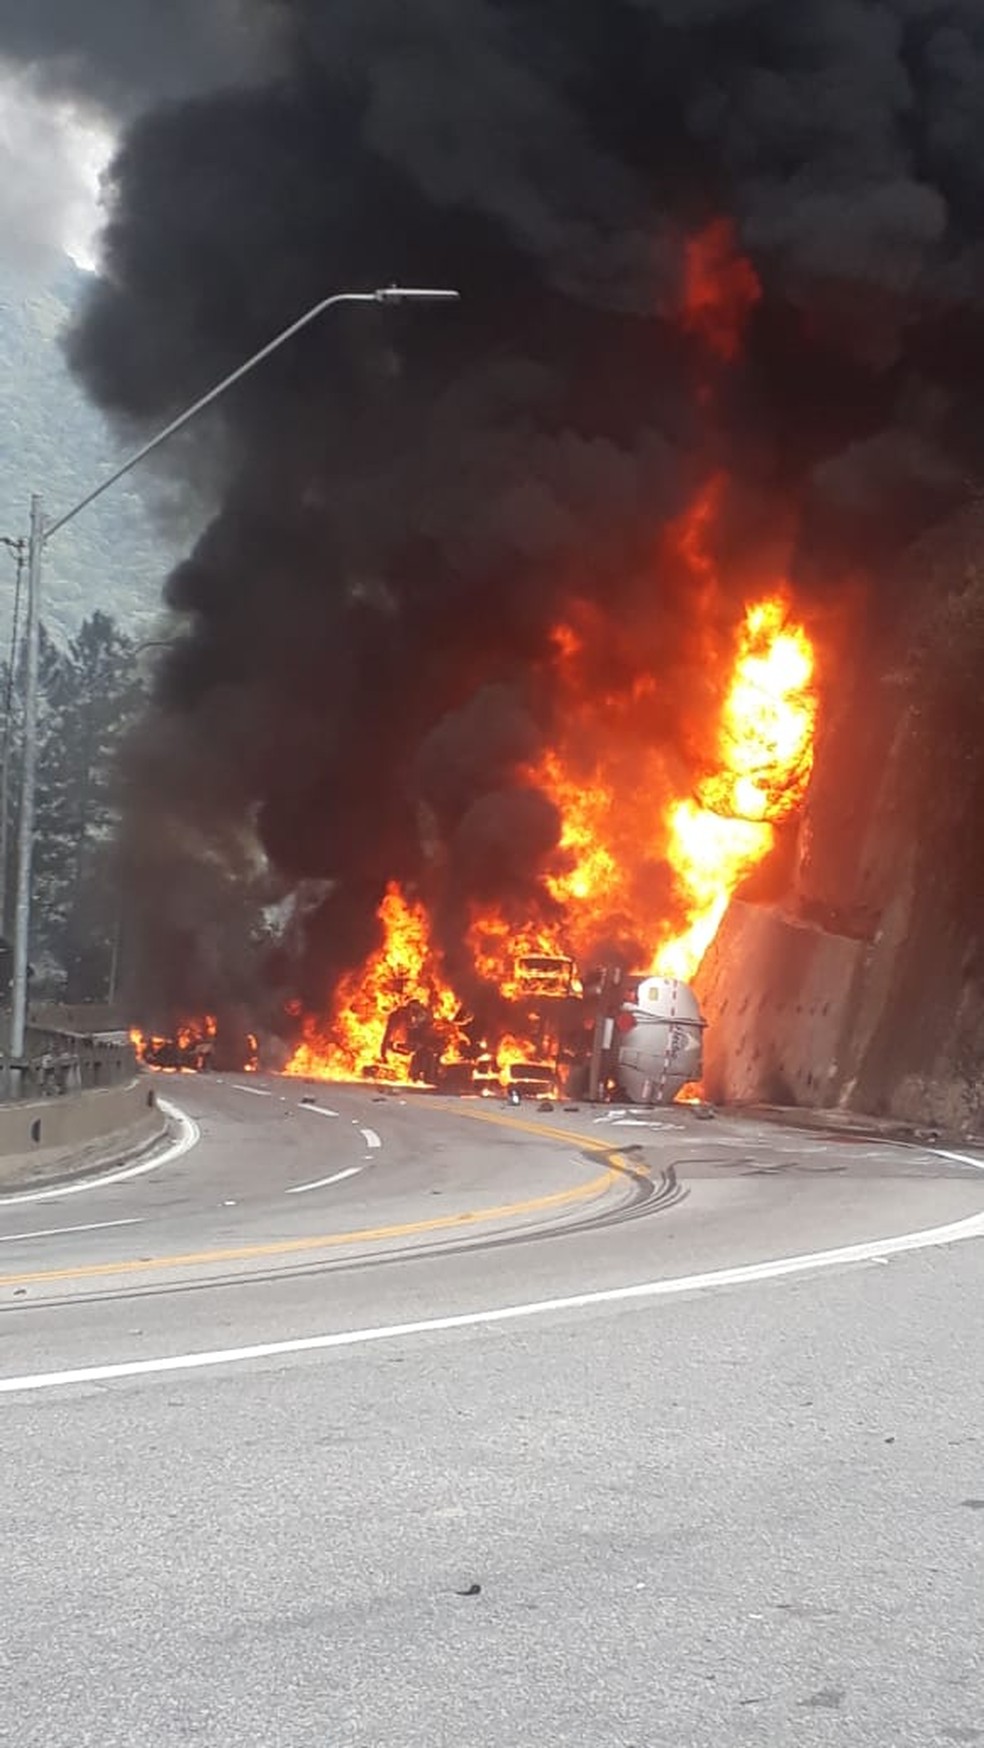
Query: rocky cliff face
(863, 985)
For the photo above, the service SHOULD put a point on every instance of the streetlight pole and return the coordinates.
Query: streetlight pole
(41, 533)
(29, 776)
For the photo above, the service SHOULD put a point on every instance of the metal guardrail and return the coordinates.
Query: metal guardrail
(56, 1062)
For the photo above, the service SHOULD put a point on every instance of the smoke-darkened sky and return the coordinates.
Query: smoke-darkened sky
(412, 496)
(127, 52)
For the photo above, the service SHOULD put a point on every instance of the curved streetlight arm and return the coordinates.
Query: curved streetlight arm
(41, 532)
(388, 294)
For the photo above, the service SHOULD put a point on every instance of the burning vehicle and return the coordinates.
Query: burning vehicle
(195, 1047)
(647, 1051)
(187, 1050)
(543, 1033)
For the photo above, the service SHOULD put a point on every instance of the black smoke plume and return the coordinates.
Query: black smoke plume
(411, 496)
(121, 53)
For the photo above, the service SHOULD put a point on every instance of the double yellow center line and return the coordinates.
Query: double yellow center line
(367, 1235)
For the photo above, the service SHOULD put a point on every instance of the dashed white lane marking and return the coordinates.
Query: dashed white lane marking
(58, 1231)
(322, 1183)
(319, 1110)
(875, 1249)
(188, 1137)
(258, 1092)
(370, 1138)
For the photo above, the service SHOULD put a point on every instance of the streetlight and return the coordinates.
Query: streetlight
(41, 533)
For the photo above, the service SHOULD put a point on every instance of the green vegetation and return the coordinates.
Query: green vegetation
(91, 692)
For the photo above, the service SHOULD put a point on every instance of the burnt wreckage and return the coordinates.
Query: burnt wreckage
(634, 1036)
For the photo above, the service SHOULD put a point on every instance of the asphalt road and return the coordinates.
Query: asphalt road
(382, 1421)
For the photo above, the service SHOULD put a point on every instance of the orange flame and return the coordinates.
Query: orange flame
(520, 960)
(401, 971)
(765, 747)
(180, 1052)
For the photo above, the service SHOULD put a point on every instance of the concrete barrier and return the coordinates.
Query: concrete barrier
(127, 1116)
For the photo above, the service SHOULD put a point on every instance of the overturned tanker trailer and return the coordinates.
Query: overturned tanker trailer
(658, 1042)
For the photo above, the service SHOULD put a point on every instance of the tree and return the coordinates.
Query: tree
(89, 694)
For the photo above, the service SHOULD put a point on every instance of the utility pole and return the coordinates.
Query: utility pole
(19, 549)
(114, 964)
(25, 833)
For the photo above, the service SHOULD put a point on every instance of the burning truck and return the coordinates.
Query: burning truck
(543, 1032)
(638, 1038)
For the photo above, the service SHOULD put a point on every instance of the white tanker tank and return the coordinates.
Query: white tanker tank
(659, 1044)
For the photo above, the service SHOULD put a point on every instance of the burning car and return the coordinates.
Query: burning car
(196, 1046)
(188, 1049)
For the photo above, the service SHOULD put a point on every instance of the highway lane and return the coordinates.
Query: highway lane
(684, 1513)
(266, 1176)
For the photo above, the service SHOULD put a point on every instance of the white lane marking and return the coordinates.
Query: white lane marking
(323, 1182)
(961, 1158)
(874, 1249)
(258, 1092)
(370, 1138)
(319, 1110)
(188, 1137)
(58, 1231)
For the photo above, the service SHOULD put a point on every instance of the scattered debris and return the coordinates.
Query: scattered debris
(828, 1699)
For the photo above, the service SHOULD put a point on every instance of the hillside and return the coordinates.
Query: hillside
(117, 554)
